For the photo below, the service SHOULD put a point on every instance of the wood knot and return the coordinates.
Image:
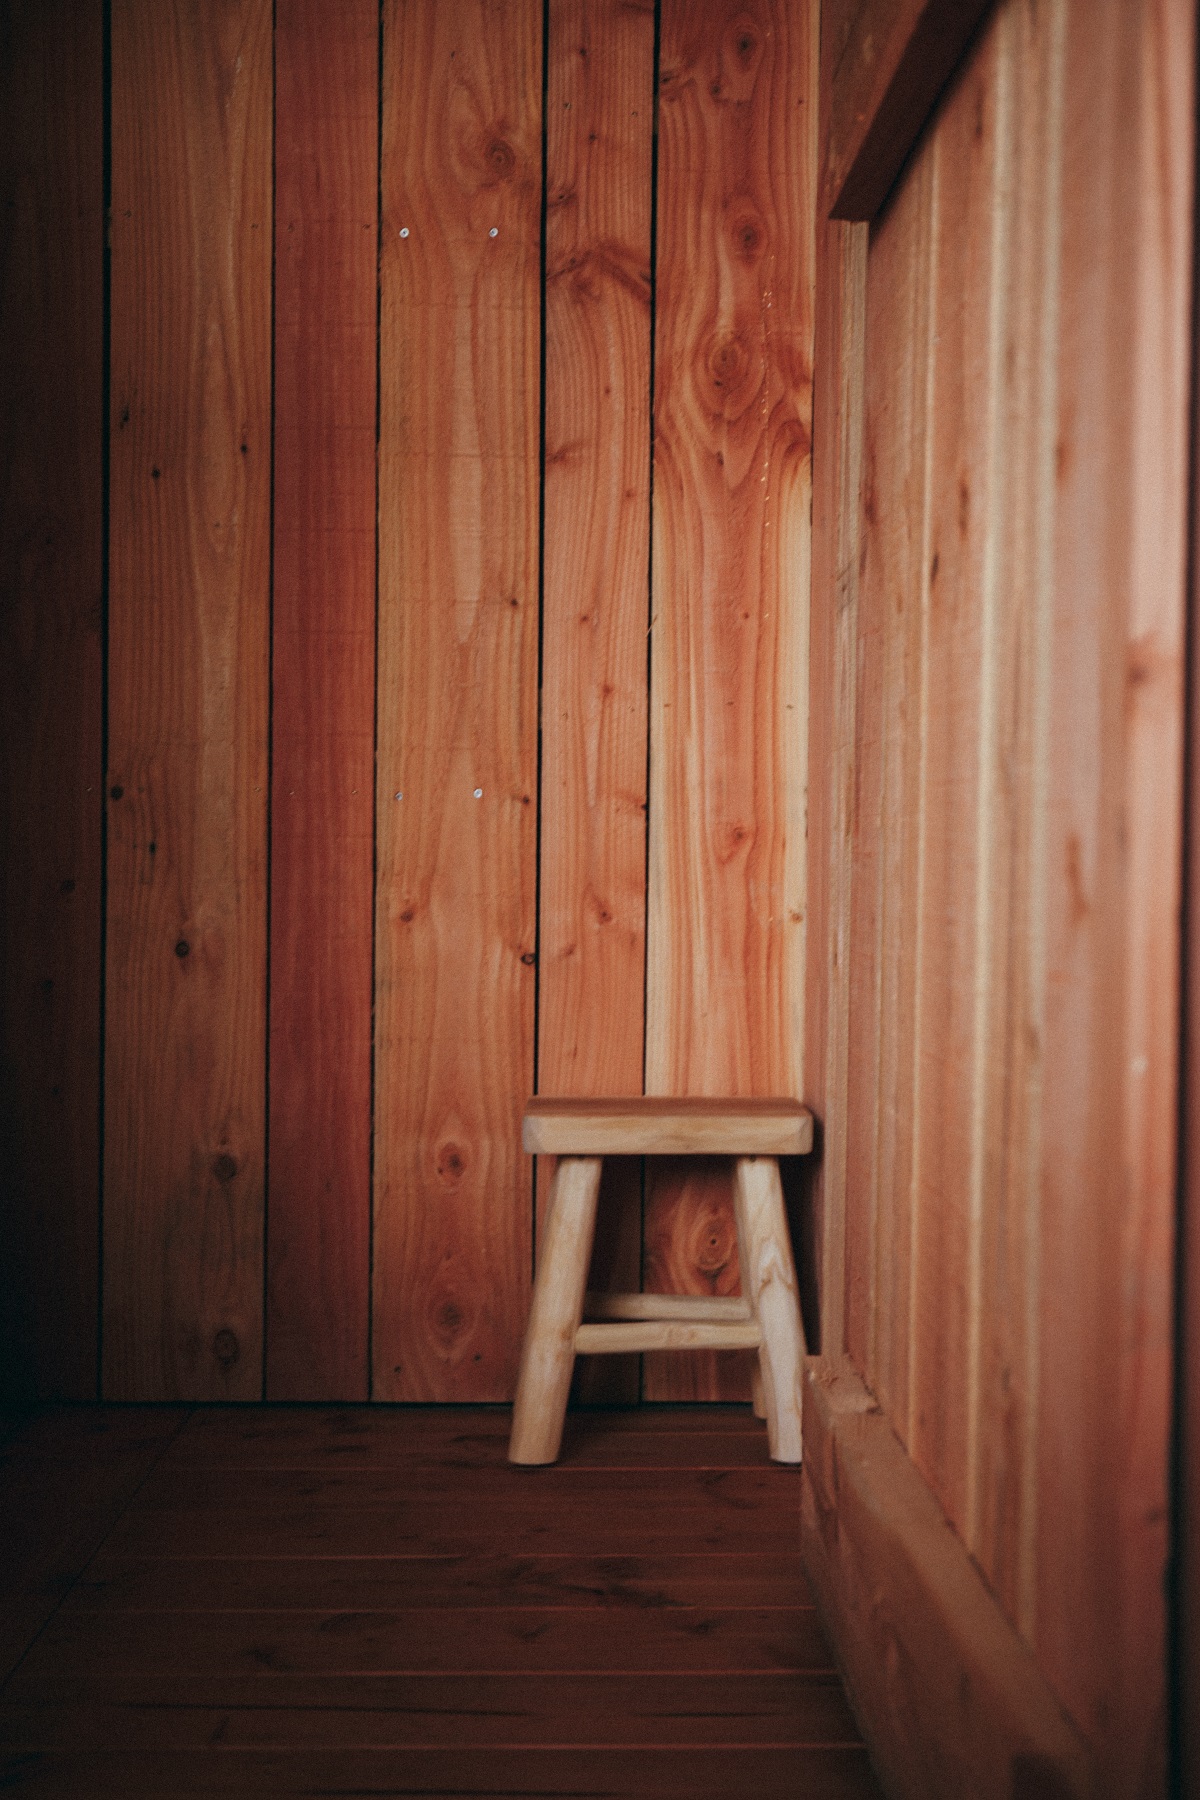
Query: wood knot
(116, 792)
(500, 158)
(226, 1348)
(450, 1165)
(748, 237)
(746, 47)
(224, 1166)
(728, 362)
(182, 948)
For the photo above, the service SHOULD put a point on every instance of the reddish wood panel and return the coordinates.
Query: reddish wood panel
(733, 393)
(323, 687)
(596, 526)
(458, 702)
(188, 701)
(51, 306)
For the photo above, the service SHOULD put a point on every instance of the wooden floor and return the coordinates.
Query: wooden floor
(352, 1601)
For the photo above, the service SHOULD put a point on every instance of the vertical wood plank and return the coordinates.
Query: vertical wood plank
(733, 413)
(599, 130)
(51, 303)
(833, 636)
(956, 720)
(1106, 1228)
(322, 766)
(189, 558)
(887, 819)
(1002, 1469)
(457, 684)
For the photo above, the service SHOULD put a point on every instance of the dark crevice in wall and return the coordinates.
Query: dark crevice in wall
(375, 717)
(541, 594)
(105, 482)
(266, 1187)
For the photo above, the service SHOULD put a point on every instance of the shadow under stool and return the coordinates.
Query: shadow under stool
(765, 1317)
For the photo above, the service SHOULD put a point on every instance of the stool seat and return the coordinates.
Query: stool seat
(647, 1125)
(766, 1317)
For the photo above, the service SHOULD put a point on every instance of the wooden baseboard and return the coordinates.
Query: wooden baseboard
(949, 1698)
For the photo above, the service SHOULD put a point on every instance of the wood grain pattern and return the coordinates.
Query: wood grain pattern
(1013, 994)
(600, 116)
(596, 526)
(733, 415)
(1187, 1500)
(443, 1711)
(323, 685)
(953, 1698)
(51, 304)
(487, 1671)
(655, 1126)
(945, 983)
(1105, 1234)
(458, 579)
(188, 652)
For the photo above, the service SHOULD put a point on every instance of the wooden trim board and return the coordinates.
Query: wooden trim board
(950, 1699)
(886, 82)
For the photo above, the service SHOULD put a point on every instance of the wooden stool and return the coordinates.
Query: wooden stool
(766, 1318)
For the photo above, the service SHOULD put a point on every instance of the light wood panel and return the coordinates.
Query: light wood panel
(188, 653)
(954, 1700)
(323, 685)
(457, 687)
(945, 985)
(733, 391)
(596, 524)
(1021, 523)
(51, 326)
(1105, 1235)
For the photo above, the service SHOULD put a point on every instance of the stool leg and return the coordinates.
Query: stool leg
(769, 1284)
(548, 1355)
(756, 1390)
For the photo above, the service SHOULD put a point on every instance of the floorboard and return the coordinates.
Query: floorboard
(337, 1600)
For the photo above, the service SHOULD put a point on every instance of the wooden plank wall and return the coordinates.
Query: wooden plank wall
(188, 699)
(457, 510)
(1016, 605)
(323, 681)
(457, 770)
(733, 426)
(600, 103)
(51, 674)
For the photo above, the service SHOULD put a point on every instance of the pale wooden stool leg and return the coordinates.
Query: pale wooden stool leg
(548, 1355)
(756, 1390)
(769, 1284)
